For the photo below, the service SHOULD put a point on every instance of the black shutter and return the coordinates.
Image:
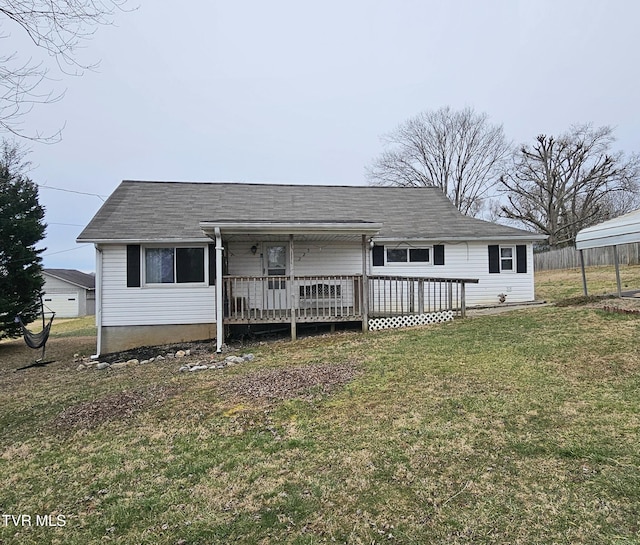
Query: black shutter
(378, 256)
(133, 265)
(438, 254)
(212, 264)
(521, 258)
(494, 258)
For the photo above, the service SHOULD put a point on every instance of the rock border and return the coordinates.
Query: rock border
(199, 365)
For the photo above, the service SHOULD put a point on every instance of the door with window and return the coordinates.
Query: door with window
(275, 267)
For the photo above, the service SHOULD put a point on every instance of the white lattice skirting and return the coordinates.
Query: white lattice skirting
(410, 320)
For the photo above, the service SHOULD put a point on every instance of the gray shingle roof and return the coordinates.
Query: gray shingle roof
(147, 211)
(73, 276)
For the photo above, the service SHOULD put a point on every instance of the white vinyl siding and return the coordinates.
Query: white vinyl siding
(310, 258)
(150, 305)
(470, 260)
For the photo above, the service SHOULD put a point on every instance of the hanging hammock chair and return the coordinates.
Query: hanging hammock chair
(37, 340)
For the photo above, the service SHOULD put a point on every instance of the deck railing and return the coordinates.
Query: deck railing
(312, 298)
(330, 298)
(403, 295)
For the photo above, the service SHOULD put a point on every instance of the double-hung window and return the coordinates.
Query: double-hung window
(507, 258)
(507, 253)
(168, 265)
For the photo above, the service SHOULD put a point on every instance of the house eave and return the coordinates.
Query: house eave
(524, 238)
(163, 240)
(290, 228)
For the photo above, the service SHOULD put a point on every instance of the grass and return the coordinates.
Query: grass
(515, 428)
(564, 284)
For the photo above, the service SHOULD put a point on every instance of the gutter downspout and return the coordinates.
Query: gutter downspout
(219, 292)
(98, 303)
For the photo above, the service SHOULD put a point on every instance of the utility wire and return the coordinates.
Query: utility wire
(101, 197)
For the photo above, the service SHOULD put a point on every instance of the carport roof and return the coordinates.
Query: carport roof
(621, 230)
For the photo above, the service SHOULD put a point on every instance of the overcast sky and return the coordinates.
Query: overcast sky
(300, 92)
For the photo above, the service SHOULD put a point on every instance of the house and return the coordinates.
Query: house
(179, 261)
(69, 293)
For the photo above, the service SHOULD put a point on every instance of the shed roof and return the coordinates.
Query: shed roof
(168, 211)
(72, 276)
(621, 230)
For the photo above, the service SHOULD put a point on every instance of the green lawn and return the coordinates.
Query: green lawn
(563, 284)
(518, 428)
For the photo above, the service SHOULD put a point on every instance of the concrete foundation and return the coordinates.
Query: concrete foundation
(118, 338)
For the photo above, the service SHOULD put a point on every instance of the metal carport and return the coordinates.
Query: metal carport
(624, 229)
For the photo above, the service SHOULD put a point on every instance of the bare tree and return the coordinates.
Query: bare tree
(458, 151)
(59, 27)
(561, 185)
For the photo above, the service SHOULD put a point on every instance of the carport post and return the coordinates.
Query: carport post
(615, 258)
(584, 275)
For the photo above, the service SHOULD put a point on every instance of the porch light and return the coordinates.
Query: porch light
(254, 249)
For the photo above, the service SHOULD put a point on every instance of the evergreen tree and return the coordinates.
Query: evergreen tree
(21, 228)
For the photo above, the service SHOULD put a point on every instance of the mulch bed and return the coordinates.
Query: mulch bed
(306, 381)
(122, 405)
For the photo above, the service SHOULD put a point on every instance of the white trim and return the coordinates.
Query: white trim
(514, 260)
(219, 290)
(98, 289)
(141, 241)
(444, 239)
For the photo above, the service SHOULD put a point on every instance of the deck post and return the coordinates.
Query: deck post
(292, 294)
(365, 285)
(463, 300)
(615, 258)
(584, 275)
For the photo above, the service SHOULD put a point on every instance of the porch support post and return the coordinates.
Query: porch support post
(615, 258)
(292, 294)
(219, 293)
(365, 285)
(584, 275)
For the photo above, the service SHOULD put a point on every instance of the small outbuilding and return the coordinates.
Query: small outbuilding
(624, 229)
(69, 293)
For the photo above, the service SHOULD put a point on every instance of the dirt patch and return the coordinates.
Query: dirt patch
(305, 381)
(122, 405)
(623, 305)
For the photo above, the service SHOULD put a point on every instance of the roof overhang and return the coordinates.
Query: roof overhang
(621, 230)
(300, 228)
(519, 238)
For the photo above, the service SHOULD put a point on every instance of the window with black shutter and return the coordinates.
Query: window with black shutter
(506, 258)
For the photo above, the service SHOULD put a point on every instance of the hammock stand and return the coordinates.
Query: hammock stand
(37, 340)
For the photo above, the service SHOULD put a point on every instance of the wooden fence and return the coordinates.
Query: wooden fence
(569, 258)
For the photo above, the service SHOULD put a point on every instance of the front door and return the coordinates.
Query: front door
(275, 265)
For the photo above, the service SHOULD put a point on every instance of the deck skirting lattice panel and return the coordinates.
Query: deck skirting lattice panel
(410, 320)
